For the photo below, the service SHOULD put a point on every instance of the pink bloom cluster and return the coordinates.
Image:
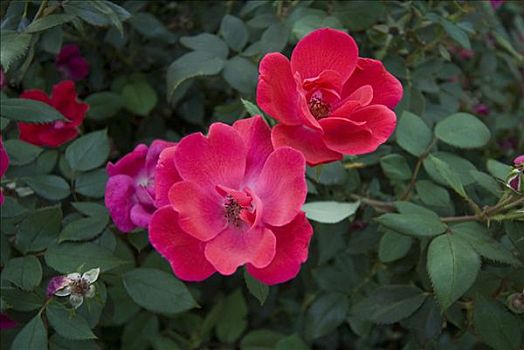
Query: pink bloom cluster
(233, 198)
(130, 191)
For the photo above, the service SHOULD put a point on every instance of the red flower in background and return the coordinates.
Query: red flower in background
(56, 133)
(71, 63)
(7, 322)
(130, 190)
(329, 102)
(231, 200)
(4, 162)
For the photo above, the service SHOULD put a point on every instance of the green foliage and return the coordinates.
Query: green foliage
(417, 245)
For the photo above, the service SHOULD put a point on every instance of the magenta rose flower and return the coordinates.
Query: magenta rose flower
(496, 4)
(4, 163)
(71, 63)
(231, 200)
(328, 101)
(130, 190)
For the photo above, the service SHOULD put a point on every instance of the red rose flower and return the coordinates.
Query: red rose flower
(230, 200)
(329, 102)
(56, 133)
(71, 63)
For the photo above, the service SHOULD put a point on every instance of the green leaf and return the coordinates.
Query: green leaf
(234, 32)
(25, 272)
(326, 314)
(68, 323)
(57, 342)
(139, 331)
(150, 27)
(103, 105)
(39, 229)
(32, 337)
(241, 74)
(47, 22)
(232, 320)
(462, 130)
(389, 304)
(29, 111)
(444, 170)
(291, 342)
(395, 167)
(477, 236)
(498, 169)
(69, 257)
(393, 246)
(432, 194)
(514, 231)
(495, 325)
(50, 187)
(22, 301)
(307, 24)
(329, 212)
(260, 339)
(251, 108)
(158, 291)
(139, 97)
(20, 152)
(426, 321)
(88, 152)
(92, 184)
(258, 289)
(274, 38)
(456, 33)
(413, 135)
(83, 229)
(453, 266)
(420, 225)
(92, 209)
(190, 65)
(206, 42)
(13, 46)
(460, 166)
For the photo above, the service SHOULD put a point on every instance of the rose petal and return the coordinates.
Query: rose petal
(277, 91)
(166, 175)
(256, 135)
(305, 140)
(140, 216)
(119, 201)
(131, 164)
(352, 136)
(281, 186)
(325, 49)
(65, 100)
(153, 153)
(387, 90)
(235, 247)
(218, 159)
(184, 252)
(291, 251)
(201, 212)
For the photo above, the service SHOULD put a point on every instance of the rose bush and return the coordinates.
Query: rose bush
(261, 175)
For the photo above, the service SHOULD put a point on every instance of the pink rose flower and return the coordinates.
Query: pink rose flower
(3, 82)
(7, 322)
(231, 200)
(4, 162)
(56, 133)
(519, 161)
(328, 101)
(130, 190)
(71, 63)
(496, 4)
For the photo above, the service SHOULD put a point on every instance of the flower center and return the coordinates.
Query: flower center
(318, 108)
(80, 286)
(232, 210)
